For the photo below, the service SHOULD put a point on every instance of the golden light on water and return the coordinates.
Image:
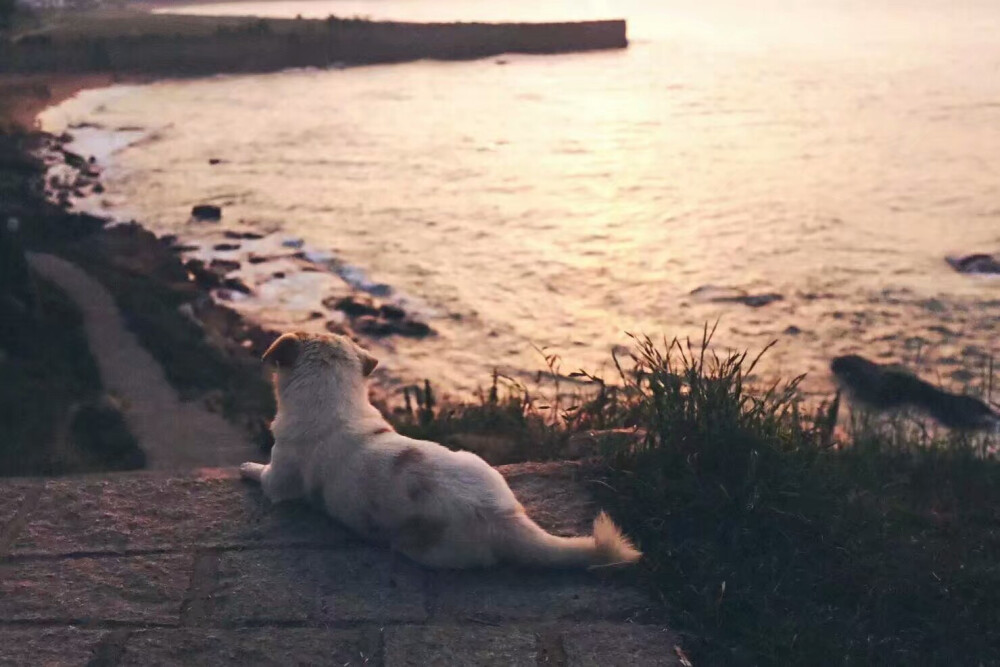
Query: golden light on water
(832, 153)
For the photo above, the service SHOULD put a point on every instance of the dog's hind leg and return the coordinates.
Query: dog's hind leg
(278, 483)
(252, 471)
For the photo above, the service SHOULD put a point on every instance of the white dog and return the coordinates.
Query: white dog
(441, 508)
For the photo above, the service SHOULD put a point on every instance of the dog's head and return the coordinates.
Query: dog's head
(319, 357)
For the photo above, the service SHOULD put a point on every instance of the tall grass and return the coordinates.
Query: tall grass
(774, 539)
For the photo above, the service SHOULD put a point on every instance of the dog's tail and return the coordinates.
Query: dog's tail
(524, 542)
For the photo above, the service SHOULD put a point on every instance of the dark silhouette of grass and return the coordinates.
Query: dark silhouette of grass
(771, 541)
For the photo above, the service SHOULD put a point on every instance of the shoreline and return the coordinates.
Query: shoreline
(23, 97)
(249, 271)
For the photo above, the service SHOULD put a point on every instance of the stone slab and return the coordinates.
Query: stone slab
(138, 589)
(619, 645)
(316, 585)
(459, 646)
(509, 593)
(51, 647)
(123, 513)
(554, 494)
(263, 647)
(13, 495)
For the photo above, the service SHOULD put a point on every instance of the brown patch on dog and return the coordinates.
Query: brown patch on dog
(408, 456)
(418, 535)
(382, 429)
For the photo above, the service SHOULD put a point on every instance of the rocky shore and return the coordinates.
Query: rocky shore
(179, 308)
(230, 262)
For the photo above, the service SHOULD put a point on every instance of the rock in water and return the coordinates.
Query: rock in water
(978, 263)
(208, 212)
(756, 300)
(236, 285)
(351, 305)
(412, 328)
(224, 266)
(370, 325)
(391, 312)
(241, 236)
(884, 388)
(719, 294)
(201, 275)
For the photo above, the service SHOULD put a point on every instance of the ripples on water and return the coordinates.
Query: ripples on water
(830, 152)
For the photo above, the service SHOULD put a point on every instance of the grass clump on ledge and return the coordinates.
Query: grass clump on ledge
(772, 535)
(773, 542)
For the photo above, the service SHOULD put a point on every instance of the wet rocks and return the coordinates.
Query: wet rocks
(371, 318)
(717, 294)
(224, 265)
(412, 328)
(213, 276)
(352, 306)
(337, 328)
(202, 275)
(74, 160)
(236, 285)
(391, 312)
(242, 236)
(756, 300)
(224, 247)
(370, 325)
(206, 213)
(976, 263)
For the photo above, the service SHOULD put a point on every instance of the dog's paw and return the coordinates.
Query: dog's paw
(251, 470)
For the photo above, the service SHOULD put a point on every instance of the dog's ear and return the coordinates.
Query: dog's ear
(368, 362)
(283, 352)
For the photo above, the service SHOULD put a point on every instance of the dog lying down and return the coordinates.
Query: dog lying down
(441, 508)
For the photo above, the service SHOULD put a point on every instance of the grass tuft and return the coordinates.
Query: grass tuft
(773, 542)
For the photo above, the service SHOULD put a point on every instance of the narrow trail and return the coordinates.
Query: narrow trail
(175, 435)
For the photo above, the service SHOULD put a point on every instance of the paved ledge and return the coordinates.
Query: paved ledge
(157, 569)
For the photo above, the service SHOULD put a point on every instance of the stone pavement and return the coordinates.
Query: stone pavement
(199, 569)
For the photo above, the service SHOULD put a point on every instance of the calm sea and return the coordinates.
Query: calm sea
(833, 152)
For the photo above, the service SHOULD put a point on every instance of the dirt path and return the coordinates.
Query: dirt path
(175, 435)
